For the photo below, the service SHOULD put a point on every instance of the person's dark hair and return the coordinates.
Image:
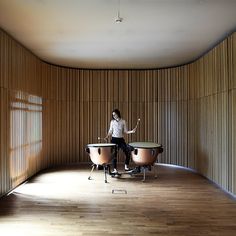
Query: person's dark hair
(117, 112)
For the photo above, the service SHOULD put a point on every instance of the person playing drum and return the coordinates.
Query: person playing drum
(116, 131)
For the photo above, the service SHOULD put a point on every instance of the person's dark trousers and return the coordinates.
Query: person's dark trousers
(120, 143)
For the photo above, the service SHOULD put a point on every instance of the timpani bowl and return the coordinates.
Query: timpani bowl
(101, 153)
(145, 153)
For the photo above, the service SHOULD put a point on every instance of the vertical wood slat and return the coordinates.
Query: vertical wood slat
(232, 169)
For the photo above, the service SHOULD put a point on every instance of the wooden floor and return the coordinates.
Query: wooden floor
(64, 202)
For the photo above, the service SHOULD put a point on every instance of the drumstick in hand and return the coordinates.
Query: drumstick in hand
(137, 124)
(99, 138)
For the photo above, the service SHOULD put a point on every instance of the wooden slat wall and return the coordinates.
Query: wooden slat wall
(83, 112)
(213, 142)
(20, 124)
(232, 114)
(189, 109)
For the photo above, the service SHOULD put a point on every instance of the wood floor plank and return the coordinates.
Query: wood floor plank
(64, 202)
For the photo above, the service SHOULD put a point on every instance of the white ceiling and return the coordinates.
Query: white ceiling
(83, 33)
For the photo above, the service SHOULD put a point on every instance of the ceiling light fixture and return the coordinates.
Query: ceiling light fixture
(118, 19)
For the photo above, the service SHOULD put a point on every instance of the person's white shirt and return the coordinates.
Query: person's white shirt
(118, 128)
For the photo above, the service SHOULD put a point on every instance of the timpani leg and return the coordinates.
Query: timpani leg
(155, 170)
(105, 173)
(144, 174)
(93, 166)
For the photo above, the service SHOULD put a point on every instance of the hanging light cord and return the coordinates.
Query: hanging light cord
(118, 9)
(119, 19)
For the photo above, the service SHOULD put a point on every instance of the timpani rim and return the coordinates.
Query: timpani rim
(145, 145)
(101, 145)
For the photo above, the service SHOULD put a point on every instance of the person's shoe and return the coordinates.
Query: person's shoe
(127, 168)
(114, 172)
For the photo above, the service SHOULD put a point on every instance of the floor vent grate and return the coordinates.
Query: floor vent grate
(119, 191)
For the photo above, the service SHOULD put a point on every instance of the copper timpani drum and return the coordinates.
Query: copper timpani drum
(101, 153)
(145, 153)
